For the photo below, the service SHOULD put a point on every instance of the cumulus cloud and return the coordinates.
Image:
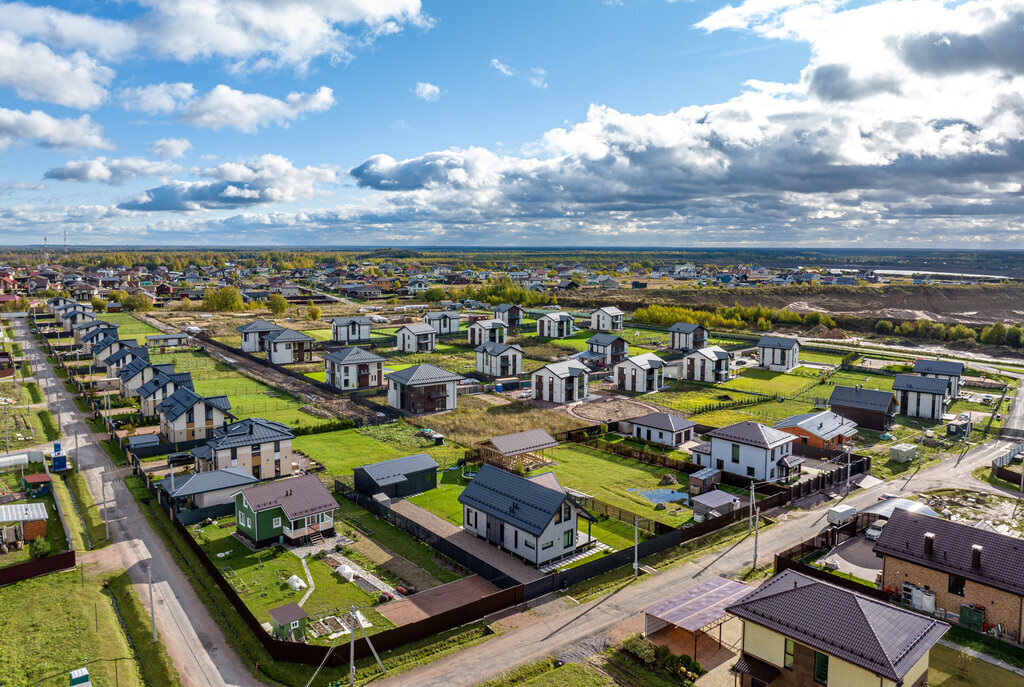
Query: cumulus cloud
(999, 46)
(112, 172)
(50, 132)
(170, 148)
(224, 106)
(157, 98)
(502, 68)
(427, 91)
(35, 72)
(539, 77)
(266, 179)
(63, 30)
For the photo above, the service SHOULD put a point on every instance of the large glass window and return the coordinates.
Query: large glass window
(956, 585)
(567, 539)
(787, 658)
(735, 453)
(820, 668)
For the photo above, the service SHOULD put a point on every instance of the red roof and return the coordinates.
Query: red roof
(40, 478)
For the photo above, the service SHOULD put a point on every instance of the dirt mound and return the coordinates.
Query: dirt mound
(834, 334)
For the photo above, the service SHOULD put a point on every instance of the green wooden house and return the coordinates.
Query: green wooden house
(288, 622)
(296, 510)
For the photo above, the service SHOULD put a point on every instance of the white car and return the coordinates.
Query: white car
(875, 530)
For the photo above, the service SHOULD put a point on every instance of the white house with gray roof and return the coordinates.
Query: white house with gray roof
(205, 489)
(353, 368)
(687, 336)
(155, 391)
(641, 374)
(749, 449)
(555, 325)
(423, 388)
(262, 447)
(607, 319)
(484, 331)
(778, 353)
(187, 416)
(288, 346)
(668, 429)
(709, 364)
(255, 333)
(138, 372)
(350, 330)
(562, 382)
(444, 322)
(920, 396)
(499, 359)
(949, 370)
(416, 338)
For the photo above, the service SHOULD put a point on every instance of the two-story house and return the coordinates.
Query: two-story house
(422, 388)
(641, 374)
(949, 370)
(869, 408)
(607, 319)
(709, 364)
(138, 372)
(531, 518)
(416, 338)
(155, 391)
(107, 347)
(255, 333)
(511, 315)
(287, 346)
(116, 361)
(606, 350)
(353, 368)
(562, 382)
(262, 447)
(749, 449)
(80, 330)
(499, 359)
(686, 336)
(444, 322)
(555, 325)
(350, 330)
(778, 353)
(187, 416)
(799, 631)
(484, 331)
(296, 510)
(919, 396)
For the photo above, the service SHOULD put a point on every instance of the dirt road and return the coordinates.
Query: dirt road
(194, 641)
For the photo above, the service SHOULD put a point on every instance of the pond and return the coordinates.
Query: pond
(662, 495)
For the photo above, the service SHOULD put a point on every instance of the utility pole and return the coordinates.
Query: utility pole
(152, 609)
(636, 550)
(106, 508)
(750, 519)
(757, 530)
(352, 649)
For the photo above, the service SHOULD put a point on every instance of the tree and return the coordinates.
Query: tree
(764, 324)
(313, 312)
(1015, 336)
(994, 334)
(39, 548)
(883, 327)
(137, 303)
(98, 304)
(434, 294)
(226, 299)
(277, 304)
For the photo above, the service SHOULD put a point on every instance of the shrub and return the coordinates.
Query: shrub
(277, 304)
(661, 654)
(39, 548)
(640, 647)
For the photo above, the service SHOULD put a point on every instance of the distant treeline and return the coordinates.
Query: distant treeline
(731, 317)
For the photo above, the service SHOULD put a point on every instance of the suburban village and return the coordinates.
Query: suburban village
(521, 473)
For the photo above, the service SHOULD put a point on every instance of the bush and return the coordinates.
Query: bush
(39, 548)
(277, 304)
(640, 647)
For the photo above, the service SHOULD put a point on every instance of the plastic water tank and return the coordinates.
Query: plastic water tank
(497, 387)
(928, 601)
(917, 598)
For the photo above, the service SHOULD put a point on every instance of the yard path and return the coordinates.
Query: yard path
(377, 554)
(555, 632)
(194, 641)
(309, 581)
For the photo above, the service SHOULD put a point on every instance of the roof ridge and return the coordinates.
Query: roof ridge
(858, 601)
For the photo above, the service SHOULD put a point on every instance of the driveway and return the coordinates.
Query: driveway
(856, 557)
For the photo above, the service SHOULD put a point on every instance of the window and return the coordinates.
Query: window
(787, 658)
(548, 545)
(277, 522)
(771, 474)
(735, 453)
(566, 511)
(956, 585)
(295, 624)
(750, 471)
(190, 416)
(529, 544)
(277, 447)
(820, 668)
(773, 455)
(720, 464)
(567, 539)
(209, 413)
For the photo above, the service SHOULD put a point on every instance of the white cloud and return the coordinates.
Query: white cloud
(157, 98)
(112, 172)
(170, 148)
(50, 132)
(63, 30)
(502, 67)
(427, 91)
(224, 106)
(539, 77)
(37, 73)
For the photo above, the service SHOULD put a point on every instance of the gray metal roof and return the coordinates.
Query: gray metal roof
(125, 351)
(699, 605)
(92, 324)
(873, 635)
(353, 355)
(714, 499)
(423, 374)
(777, 342)
(753, 434)
(504, 307)
(183, 398)
(133, 368)
(948, 368)
(685, 327)
(258, 326)
(522, 503)
(165, 337)
(522, 442)
(604, 339)
(824, 424)
(664, 421)
(489, 324)
(183, 379)
(249, 432)
(100, 333)
(440, 315)
(924, 385)
(283, 335)
(418, 328)
(296, 496)
(557, 316)
(143, 440)
(23, 512)
(494, 348)
(395, 470)
(885, 508)
(212, 480)
(566, 369)
(645, 361)
(346, 321)
(864, 399)
(609, 310)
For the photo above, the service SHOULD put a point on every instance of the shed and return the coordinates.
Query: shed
(13, 460)
(288, 622)
(38, 484)
(140, 440)
(903, 453)
(397, 477)
(30, 516)
(713, 503)
(705, 480)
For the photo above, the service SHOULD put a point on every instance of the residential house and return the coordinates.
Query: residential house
(442, 322)
(98, 328)
(73, 316)
(165, 341)
(116, 361)
(353, 368)
(499, 359)
(607, 350)
(161, 387)
(607, 319)
(138, 372)
(608, 284)
(562, 382)
(511, 315)
(534, 520)
(667, 429)
(58, 302)
(418, 285)
(555, 325)
(287, 346)
(350, 330)
(919, 396)
(956, 564)
(398, 477)
(262, 447)
(822, 429)
(686, 336)
(107, 347)
(709, 364)
(254, 335)
(778, 353)
(187, 416)
(869, 408)
(949, 370)
(422, 388)
(799, 631)
(749, 449)
(484, 331)
(205, 489)
(416, 338)
(293, 510)
(642, 373)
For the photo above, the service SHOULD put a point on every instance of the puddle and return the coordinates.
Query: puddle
(662, 495)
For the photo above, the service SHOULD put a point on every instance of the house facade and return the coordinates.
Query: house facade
(350, 330)
(161, 387)
(641, 374)
(607, 349)
(562, 382)
(416, 338)
(353, 368)
(685, 336)
(442, 322)
(949, 370)
(822, 429)
(607, 319)
(254, 335)
(778, 353)
(288, 346)
(869, 408)
(749, 449)
(293, 510)
(262, 447)
(499, 359)
(422, 388)
(487, 331)
(667, 429)
(511, 315)
(187, 416)
(398, 477)
(709, 364)
(917, 396)
(555, 325)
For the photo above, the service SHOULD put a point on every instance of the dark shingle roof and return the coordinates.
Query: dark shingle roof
(258, 326)
(352, 355)
(183, 398)
(925, 385)
(424, 373)
(864, 399)
(346, 321)
(777, 342)
(100, 333)
(283, 335)
(664, 421)
(522, 442)
(493, 348)
(604, 339)
(1001, 556)
(183, 379)
(211, 480)
(287, 614)
(938, 367)
(133, 368)
(296, 496)
(873, 635)
(134, 351)
(524, 504)
(394, 471)
(685, 327)
(753, 434)
(248, 432)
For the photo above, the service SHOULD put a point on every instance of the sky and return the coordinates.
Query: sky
(632, 123)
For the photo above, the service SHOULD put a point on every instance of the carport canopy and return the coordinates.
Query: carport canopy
(698, 609)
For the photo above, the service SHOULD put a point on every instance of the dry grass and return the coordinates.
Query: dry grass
(476, 420)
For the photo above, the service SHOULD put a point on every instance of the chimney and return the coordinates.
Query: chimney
(976, 556)
(929, 543)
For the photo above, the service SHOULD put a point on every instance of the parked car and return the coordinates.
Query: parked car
(875, 530)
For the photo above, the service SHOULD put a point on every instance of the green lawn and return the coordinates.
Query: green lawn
(349, 448)
(454, 358)
(767, 382)
(249, 398)
(131, 328)
(870, 381)
(688, 398)
(820, 357)
(943, 671)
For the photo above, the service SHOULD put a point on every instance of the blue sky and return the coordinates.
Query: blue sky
(633, 123)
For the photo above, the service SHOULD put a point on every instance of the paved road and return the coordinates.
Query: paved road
(194, 641)
(558, 631)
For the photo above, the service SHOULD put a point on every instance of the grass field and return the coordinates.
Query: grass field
(249, 398)
(454, 358)
(821, 357)
(349, 448)
(870, 381)
(767, 382)
(943, 671)
(687, 398)
(476, 420)
(131, 328)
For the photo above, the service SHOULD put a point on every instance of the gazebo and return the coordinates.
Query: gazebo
(505, 451)
(697, 610)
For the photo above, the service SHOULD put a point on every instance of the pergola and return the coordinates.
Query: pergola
(505, 451)
(697, 610)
